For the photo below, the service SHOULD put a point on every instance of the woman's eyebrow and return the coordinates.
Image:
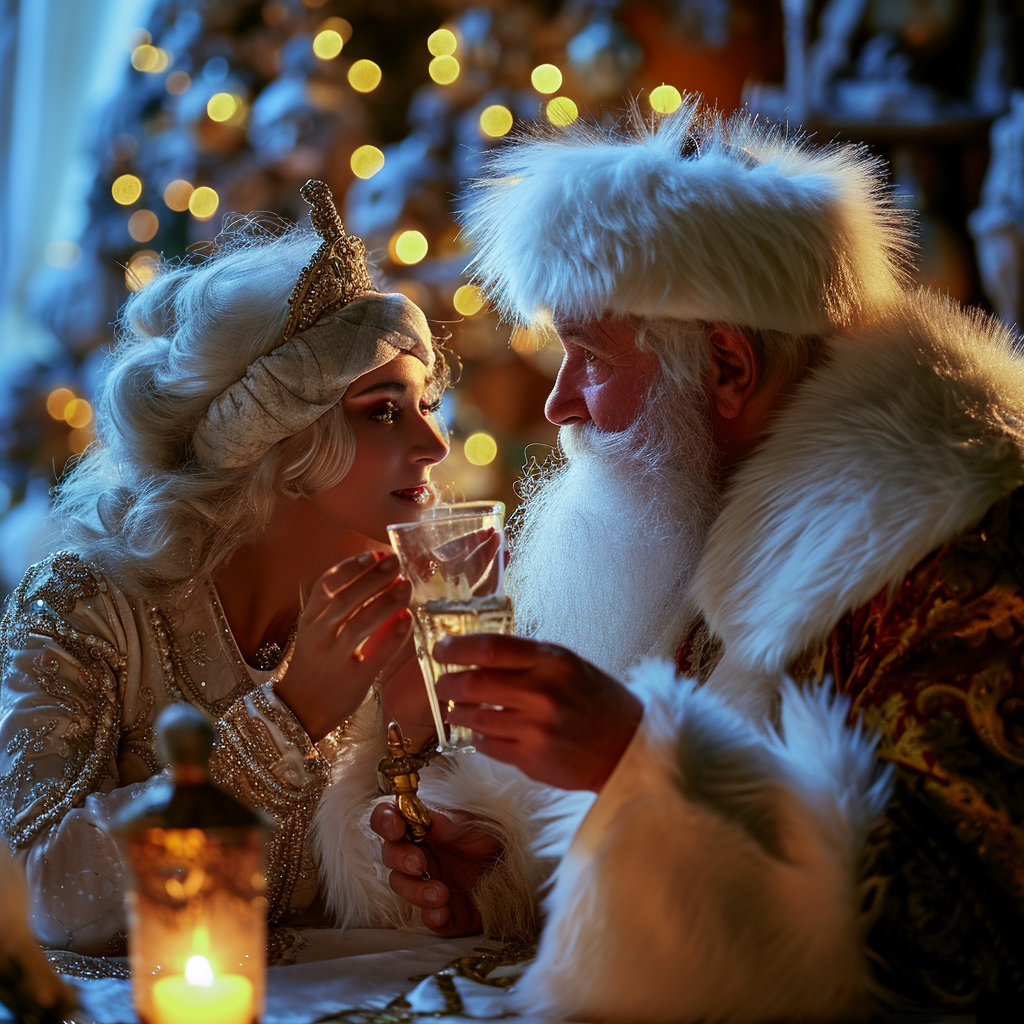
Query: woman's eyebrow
(386, 385)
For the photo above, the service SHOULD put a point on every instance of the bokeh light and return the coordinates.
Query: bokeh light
(665, 99)
(177, 194)
(62, 253)
(468, 300)
(79, 439)
(444, 70)
(77, 413)
(136, 37)
(203, 203)
(480, 449)
(327, 44)
(364, 76)
(408, 246)
(442, 43)
(141, 269)
(366, 161)
(221, 106)
(145, 57)
(340, 25)
(143, 225)
(546, 78)
(495, 121)
(58, 400)
(178, 82)
(163, 60)
(126, 189)
(561, 111)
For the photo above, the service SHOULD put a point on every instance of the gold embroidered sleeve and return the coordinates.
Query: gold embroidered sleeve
(64, 670)
(263, 756)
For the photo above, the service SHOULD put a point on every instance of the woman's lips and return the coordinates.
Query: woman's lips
(419, 495)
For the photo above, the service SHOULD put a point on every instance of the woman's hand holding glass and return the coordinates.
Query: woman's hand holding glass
(355, 627)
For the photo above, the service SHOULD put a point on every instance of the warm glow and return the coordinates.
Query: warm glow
(561, 111)
(163, 60)
(339, 25)
(468, 300)
(442, 43)
(143, 225)
(408, 246)
(665, 99)
(480, 449)
(126, 189)
(198, 971)
(79, 439)
(364, 76)
(495, 121)
(58, 400)
(177, 82)
(78, 412)
(203, 203)
(327, 44)
(177, 194)
(136, 37)
(62, 254)
(444, 70)
(221, 106)
(145, 57)
(546, 78)
(141, 269)
(367, 161)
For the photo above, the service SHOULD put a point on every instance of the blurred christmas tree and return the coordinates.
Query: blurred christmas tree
(231, 105)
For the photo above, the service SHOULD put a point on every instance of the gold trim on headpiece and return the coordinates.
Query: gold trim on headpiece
(337, 271)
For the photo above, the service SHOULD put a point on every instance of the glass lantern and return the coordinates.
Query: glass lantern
(196, 909)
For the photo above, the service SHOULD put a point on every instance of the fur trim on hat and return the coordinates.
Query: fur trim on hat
(691, 217)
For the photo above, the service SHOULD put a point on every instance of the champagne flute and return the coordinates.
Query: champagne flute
(454, 557)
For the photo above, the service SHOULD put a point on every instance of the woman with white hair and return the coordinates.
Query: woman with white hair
(264, 415)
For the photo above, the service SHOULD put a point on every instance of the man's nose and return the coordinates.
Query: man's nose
(566, 403)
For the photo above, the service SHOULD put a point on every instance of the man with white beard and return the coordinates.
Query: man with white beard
(796, 483)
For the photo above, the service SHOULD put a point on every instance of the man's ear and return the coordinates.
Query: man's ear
(735, 369)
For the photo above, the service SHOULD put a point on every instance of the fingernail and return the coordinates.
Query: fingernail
(388, 563)
(412, 865)
(368, 558)
(432, 894)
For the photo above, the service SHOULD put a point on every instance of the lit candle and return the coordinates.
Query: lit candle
(197, 997)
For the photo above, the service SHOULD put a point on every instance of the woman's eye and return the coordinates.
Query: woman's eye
(384, 413)
(430, 408)
(589, 356)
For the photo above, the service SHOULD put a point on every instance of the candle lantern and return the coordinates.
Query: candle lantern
(196, 909)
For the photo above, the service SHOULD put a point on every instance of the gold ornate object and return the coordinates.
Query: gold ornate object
(401, 771)
(336, 274)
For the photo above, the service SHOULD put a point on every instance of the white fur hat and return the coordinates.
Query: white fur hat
(693, 218)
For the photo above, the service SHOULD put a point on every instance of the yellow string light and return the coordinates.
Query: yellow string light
(327, 44)
(480, 449)
(468, 300)
(546, 78)
(145, 57)
(408, 247)
(221, 106)
(665, 99)
(58, 400)
(203, 203)
(444, 69)
(366, 161)
(141, 269)
(126, 189)
(77, 413)
(364, 76)
(496, 121)
(561, 111)
(442, 43)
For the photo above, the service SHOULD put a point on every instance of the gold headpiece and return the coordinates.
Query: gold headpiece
(337, 272)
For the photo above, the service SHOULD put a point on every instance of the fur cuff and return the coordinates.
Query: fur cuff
(716, 876)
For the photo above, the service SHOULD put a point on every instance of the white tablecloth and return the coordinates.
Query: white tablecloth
(360, 976)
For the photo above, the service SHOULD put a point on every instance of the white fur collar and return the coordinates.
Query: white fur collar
(903, 439)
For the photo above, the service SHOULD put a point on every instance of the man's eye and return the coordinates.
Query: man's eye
(384, 413)
(589, 356)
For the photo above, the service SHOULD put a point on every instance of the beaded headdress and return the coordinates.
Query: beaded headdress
(338, 328)
(337, 271)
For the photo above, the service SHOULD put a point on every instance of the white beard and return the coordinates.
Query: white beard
(605, 544)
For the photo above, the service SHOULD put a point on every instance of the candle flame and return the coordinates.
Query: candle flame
(199, 972)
